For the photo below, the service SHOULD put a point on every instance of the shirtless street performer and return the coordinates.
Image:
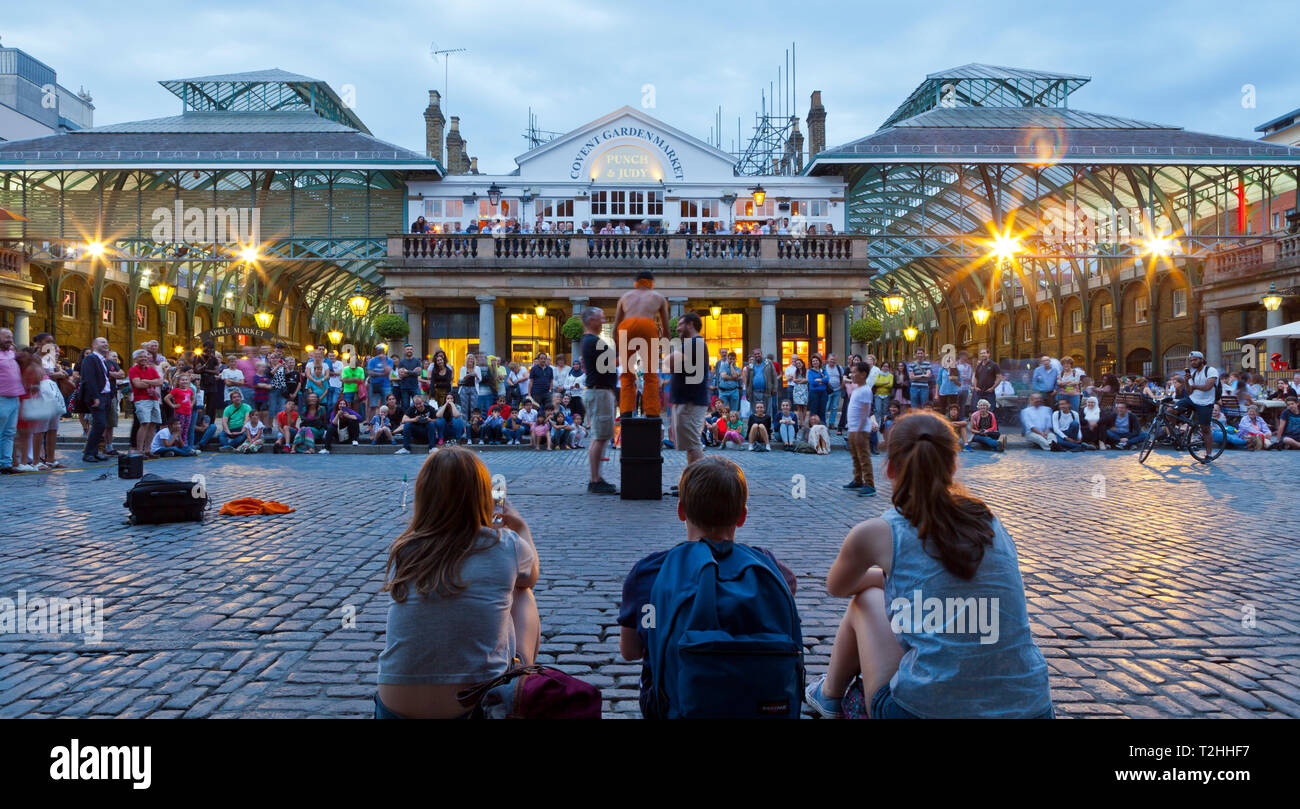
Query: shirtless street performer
(635, 318)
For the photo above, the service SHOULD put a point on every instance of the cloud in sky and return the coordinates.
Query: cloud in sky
(572, 61)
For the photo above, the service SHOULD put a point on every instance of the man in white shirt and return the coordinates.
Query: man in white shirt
(1037, 422)
(859, 424)
(335, 366)
(1201, 381)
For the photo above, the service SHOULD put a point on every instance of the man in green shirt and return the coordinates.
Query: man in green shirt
(352, 376)
(232, 420)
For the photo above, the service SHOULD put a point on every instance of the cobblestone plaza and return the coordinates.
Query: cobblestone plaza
(1165, 590)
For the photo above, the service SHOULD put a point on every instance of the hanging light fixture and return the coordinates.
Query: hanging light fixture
(263, 319)
(981, 315)
(335, 336)
(910, 333)
(715, 310)
(309, 348)
(178, 349)
(1272, 301)
(893, 301)
(759, 194)
(540, 310)
(358, 303)
(162, 292)
(494, 194)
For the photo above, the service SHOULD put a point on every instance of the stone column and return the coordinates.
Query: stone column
(837, 341)
(676, 306)
(1274, 345)
(769, 344)
(1213, 340)
(22, 329)
(577, 305)
(487, 324)
(415, 319)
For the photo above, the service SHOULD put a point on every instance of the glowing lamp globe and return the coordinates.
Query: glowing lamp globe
(162, 292)
(910, 333)
(1272, 301)
(359, 304)
(893, 301)
(335, 336)
(981, 316)
(540, 311)
(263, 319)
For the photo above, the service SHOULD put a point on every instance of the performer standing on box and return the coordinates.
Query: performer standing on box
(600, 361)
(634, 321)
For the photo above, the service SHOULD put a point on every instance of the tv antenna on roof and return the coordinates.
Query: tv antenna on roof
(445, 53)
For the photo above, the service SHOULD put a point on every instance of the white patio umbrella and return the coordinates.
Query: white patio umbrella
(1291, 330)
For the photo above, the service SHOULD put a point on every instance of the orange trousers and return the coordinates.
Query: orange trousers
(630, 329)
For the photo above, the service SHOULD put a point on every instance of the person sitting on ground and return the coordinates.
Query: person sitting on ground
(730, 429)
(253, 431)
(943, 541)
(958, 425)
(230, 433)
(1288, 426)
(287, 422)
(819, 436)
(541, 431)
(345, 425)
(580, 432)
(1254, 429)
(449, 422)
(712, 503)
(1121, 429)
(758, 430)
(528, 417)
(312, 425)
(1037, 422)
(1091, 418)
(169, 441)
(381, 432)
(475, 427)
(418, 425)
(1066, 428)
(494, 424)
(560, 428)
(787, 424)
(512, 429)
(463, 610)
(983, 426)
(892, 414)
(1230, 438)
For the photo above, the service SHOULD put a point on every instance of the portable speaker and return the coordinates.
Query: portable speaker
(641, 478)
(130, 467)
(640, 438)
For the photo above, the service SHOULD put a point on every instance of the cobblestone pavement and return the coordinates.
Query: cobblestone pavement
(1141, 580)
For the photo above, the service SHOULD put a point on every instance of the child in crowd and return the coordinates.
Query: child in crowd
(579, 432)
(287, 423)
(476, 426)
(712, 503)
(181, 400)
(253, 429)
(541, 430)
(942, 541)
(560, 429)
(730, 428)
(512, 429)
(169, 440)
(381, 431)
(958, 426)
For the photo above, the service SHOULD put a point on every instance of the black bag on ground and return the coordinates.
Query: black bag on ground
(157, 500)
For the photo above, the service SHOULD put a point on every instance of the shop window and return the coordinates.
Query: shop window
(1076, 321)
(142, 317)
(69, 304)
(531, 335)
(1140, 306)
(725, 333)
(1107, 315)
(171, 321)
(1180, 302)
(109, 314)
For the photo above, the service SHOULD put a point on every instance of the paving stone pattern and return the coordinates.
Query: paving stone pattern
(1141, 580)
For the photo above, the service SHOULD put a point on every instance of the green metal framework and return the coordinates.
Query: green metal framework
(266, 90)
(988, 86)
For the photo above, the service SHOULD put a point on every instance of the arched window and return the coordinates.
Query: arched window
(1175, 359)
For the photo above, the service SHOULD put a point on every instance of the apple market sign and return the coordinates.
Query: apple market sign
(626, 162)
(236, 331)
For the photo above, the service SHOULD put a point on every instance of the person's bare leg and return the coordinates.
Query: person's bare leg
(845, 663)
(878, 649)
(528, 625)
(51, 445)
(594, 453)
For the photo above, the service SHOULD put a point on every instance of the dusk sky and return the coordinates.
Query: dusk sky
(572, 61)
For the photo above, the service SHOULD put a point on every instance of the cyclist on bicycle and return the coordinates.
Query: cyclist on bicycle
(1200, 380)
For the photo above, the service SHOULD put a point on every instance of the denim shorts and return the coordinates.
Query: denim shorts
(884, 706)
(382, 711)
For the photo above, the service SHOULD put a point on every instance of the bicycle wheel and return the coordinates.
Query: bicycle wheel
(1150, 442)
(1196, 443)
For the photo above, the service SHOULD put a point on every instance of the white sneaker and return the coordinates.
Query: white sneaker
(432, 450)
(749, 447)
(323, 452)
(26, 467)
(403, 451)
(354, 443)
(198, 451)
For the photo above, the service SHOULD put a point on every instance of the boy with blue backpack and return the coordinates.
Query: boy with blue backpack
(713, 620)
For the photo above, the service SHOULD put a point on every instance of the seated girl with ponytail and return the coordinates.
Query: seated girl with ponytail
(936, 626)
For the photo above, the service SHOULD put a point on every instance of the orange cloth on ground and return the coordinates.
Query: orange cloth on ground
(631, 328)
(247, 506)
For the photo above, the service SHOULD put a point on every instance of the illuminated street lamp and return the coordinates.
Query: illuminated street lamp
(358, 303)
(335, 336)
(759, 194)
(162, 292)
(263, 319)
(981, 315)
(540, 310)
(715, 310)
(894, 301)
(1272, 301)
(248, 254)
(910, 333)
(309, 348)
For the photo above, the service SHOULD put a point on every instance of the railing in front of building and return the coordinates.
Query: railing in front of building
(450, 249)
(11, 262)
(1279, 253)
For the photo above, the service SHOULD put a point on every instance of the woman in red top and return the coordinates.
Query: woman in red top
(983, 428)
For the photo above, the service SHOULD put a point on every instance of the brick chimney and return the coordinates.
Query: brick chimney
(473, 165)
(455, 148)
(796, 144)
(433, 127)
(816, 125)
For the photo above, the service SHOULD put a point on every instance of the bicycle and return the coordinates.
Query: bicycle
(1181, 432)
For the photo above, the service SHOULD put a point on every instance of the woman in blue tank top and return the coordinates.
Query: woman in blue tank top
(937, 625)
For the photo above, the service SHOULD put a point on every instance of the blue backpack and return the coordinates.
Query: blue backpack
(725, 640)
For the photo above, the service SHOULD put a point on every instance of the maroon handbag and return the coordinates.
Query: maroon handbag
(532, 692)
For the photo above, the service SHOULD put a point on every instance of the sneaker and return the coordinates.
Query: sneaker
(823, 706)
(601, 486)
(853, 485)
(1002, 443)
(866, 491)
(967, 448)
(747, 447)
(403, 451)
(323, 452)
(354, 443)
(764, 448)
(26, 467)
